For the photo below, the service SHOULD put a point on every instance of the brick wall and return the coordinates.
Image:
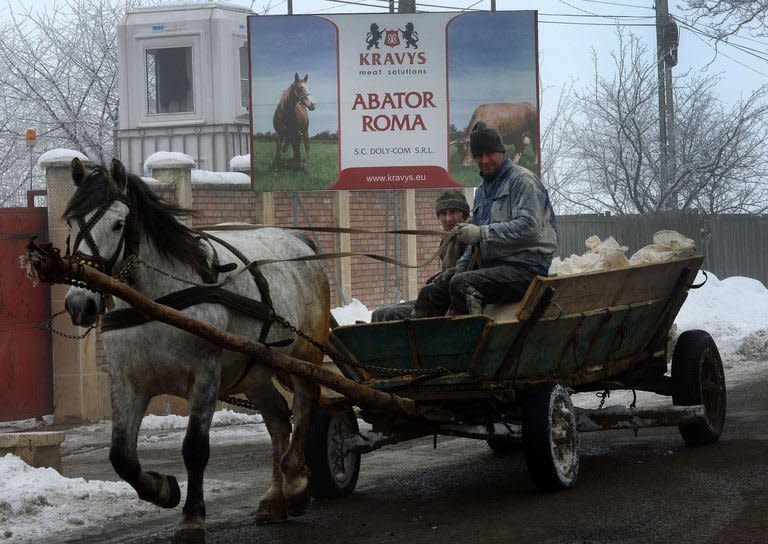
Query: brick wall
(373, 282)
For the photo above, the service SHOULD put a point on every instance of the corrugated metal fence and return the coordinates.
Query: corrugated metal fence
(733, 245)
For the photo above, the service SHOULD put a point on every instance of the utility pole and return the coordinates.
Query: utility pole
(667, 39)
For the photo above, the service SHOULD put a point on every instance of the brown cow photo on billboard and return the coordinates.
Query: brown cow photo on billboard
(515, 121)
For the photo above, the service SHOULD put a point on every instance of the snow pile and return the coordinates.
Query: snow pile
(755, 346)
(167, 159)
(221, 418)
(231, 178)
(60, 155)
(240, 162)
(36, 503)
(732, 310)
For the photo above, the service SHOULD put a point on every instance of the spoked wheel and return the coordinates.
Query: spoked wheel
(550, 437)
(698, 378)
(334, 470)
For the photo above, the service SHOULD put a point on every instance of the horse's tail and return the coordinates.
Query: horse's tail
(307, 239)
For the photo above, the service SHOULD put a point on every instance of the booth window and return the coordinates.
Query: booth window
(244, 76)
(169, 80)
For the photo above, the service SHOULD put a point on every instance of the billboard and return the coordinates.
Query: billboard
(385, 101)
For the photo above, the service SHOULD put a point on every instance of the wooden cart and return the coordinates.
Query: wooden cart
(506, 376)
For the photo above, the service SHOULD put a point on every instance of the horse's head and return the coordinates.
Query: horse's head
(300, 91)
(97, 215)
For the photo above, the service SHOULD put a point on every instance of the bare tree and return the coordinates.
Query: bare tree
(554, 148)
(59, 75)
(614, 153)
(12, 178)
(730, 16)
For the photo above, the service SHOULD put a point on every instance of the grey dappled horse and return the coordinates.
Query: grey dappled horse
(113, 214)
(291, 120)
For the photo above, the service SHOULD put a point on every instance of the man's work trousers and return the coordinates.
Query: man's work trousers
(467, 292)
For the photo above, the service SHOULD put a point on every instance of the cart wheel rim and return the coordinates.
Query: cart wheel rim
(564, 439)
(340, 462)
(712, 390)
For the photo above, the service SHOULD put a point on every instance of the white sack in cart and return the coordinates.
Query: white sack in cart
(602, 255)
(667, 245)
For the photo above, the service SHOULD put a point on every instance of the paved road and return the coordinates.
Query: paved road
(649, 489)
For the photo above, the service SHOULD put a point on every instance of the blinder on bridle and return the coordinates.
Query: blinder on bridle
(128, 238)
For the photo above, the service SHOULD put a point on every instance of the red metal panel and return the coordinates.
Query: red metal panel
(26, 377)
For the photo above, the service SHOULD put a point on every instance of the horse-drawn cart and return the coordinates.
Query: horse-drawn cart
(507, 376)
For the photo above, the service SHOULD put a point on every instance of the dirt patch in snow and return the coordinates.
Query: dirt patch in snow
(755, 346)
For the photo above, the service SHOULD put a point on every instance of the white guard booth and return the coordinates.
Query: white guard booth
(184, 83)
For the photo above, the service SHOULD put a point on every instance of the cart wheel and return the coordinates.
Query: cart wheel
(334, 472)
(698, 378)
(550, 437)
(503, 446)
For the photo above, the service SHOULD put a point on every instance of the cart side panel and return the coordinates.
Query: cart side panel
(563, 347)
(499, 341)
(416, 344)
(607, 288)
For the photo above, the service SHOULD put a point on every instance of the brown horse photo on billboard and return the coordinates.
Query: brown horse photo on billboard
(291, 122)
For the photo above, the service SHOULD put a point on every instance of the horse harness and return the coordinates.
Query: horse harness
(95, 259)
(262, 310)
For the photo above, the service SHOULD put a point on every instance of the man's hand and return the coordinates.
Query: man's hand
(467, 233)
(446, 275)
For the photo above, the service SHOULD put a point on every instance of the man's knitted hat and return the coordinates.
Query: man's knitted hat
(451, 199)
(485, 139)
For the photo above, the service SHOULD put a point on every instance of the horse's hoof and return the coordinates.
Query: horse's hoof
(299, 504)
(169, 494)
(189, 535)
(270, 512)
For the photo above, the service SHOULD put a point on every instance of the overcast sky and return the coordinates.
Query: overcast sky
(569, 32)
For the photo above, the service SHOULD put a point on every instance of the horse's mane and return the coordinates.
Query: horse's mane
(157, 219)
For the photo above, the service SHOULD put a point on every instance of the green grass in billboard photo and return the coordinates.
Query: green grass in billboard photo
(318, 170)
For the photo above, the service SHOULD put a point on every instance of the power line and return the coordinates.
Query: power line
(363, 4)
(618, 4)
(573, 23)
(726, 39)
(743, 48)
(596, 15)
(718, 52)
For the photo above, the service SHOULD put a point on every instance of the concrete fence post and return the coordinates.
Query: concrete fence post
(80, 388)
(174, 169)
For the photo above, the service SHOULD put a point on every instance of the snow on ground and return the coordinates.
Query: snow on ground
(39, 505)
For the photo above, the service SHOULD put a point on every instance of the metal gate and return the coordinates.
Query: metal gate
(26, 377)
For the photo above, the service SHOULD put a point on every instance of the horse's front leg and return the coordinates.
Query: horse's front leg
(127, 411)
(196, 451)
(296, 145)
